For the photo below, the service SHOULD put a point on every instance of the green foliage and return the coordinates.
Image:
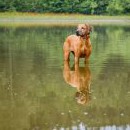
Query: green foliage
(115, 7)
(111, 7)
(126, 6)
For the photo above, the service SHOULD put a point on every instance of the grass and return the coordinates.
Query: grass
(62, 19)
(59, 15)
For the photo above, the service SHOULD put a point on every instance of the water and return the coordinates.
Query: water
(36, 92)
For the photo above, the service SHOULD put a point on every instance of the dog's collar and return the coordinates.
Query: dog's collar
(86, 37)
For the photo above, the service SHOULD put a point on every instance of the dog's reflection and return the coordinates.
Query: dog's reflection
(79, 77)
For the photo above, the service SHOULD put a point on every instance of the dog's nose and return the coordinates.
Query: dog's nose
(77, 33)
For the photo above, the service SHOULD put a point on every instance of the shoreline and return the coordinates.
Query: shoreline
(60, 19)
(62, 22)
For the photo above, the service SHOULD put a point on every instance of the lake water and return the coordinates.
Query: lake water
(36, 92)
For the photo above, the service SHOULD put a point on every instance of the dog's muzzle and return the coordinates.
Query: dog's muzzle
(77, 33)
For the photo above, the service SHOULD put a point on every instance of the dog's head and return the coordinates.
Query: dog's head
(83, 30)
(82, 97)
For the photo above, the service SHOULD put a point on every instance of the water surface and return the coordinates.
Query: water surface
(35, 93)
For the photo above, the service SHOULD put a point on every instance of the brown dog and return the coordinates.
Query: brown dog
(80, 78)
(78, 44)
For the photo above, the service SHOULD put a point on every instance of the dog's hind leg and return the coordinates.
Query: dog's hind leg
(66, 55)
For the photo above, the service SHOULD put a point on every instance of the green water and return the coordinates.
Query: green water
(34, 94)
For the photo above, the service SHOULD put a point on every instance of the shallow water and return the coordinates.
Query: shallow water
(38, 93)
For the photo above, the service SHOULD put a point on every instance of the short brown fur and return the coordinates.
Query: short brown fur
(79, 45)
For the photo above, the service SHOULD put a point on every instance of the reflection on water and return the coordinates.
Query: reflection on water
(78, 77)
(34, 94)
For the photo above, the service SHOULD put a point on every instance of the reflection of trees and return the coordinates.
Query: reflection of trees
(107, 40)
(113, 87)
(115, 75)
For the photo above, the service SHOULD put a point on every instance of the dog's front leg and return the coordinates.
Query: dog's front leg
(87, 57)
(76, 59)
(77, 55)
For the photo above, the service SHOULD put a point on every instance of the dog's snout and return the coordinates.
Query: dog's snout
(77, 32)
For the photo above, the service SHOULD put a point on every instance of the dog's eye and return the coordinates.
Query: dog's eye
(83, 28)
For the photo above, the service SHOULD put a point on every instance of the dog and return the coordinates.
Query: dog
(80, 78)
(79, 44)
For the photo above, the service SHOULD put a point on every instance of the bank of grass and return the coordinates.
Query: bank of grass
(60, 15)
(59, 19)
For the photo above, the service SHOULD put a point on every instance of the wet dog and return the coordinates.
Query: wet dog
(79, 44)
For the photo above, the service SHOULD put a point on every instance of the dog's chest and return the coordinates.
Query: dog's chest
(83, 47)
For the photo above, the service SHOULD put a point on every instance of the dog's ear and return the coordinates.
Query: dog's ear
(90, 28)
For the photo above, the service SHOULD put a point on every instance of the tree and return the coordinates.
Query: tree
(115, 7)
(112, 7)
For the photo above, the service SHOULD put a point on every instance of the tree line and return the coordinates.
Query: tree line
(96, 7)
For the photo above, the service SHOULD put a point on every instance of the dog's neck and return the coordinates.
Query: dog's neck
(86, 40)
(86, 37)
